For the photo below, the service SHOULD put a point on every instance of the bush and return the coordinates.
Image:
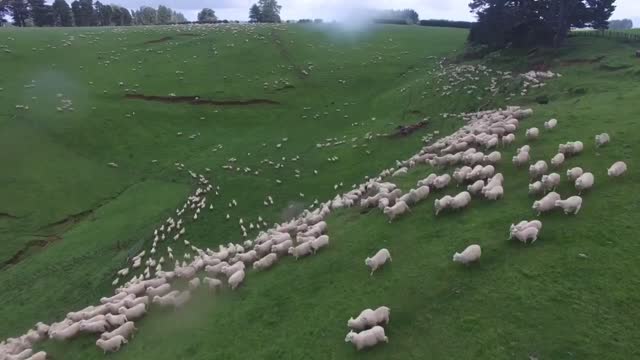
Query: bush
(446, 23)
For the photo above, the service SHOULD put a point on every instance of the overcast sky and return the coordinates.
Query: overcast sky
(329, 9)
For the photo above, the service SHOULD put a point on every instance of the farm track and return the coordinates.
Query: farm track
(195, 100)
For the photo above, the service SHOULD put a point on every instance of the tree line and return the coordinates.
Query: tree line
(624, 24)
(84, 13)
(526, 23)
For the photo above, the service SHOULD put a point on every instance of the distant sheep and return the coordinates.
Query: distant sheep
(571, 205)
(521, 158)
(443, 203)
(471, 254)
(378, 260)
(571, 148)
(525, 234)
(602, 139)
(551, 124)
(282, 248)
(441, 181)
(617, 169)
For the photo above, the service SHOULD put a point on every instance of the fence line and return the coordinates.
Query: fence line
(623, 35)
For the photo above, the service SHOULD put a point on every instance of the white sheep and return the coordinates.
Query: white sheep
(441, 181)
(378, 260)
(551, 181)
(400, 172)
(428, 181)
(617, 169)
(584, 182)
(65, 333)
(116, 320)
(493, 158)
(194, 283)
(232, 269)
(282, 248)
(557, 160)
(521, 158)
(212, 283)
(396, 210)
(319, 243)
(266, 262)
(525, 224)
(538, 169)
(158, 291)
(443, 203)
(460, 175)
(525, 234)
(602, 139)
(571, 148)
(494, 193)
(135, 312)
(215, 269)
(532, 133)
(367, 338)
(96, 326)
(166, 300)
(236, 279)
(574, 173)
(551, 124)
(111, 345)
(476, 187)
(134, 302)
(181, 299)
(301, 250)
(508, 139)
(40, 355)
(471, 254)
(547, 203)
(460, 201)
(571, 205)
(23, 355)
(125, 330)
(370, 318)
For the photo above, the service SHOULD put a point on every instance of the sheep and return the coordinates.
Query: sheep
(617, 169)
(584, 182)
(41, 355)
(134, 302)
(460, 175)
(194, 283)
(370, 318)
(136, 289)
(116, 320)
(443, 203)
(135, 312)
(252, 255)
(523, 225)
(538, 169)
(400, 172)
(167, 299)
(536, 188)
(476, 187)
(181, 299)
(384, 202)
(487, 172)
(264, 248)
(65, 333)
(319, 243)
(441, 181)
(186, 272)
(428, 181)
(281, 248)
(23, 355)
(494, 193)
(551, 181)
(551, 124)
(42, 328)
(94, 326)
(396, 210)
(571, 205)
(378, 260)
(546, 203)
(602, 139)
(525, 148)
(215, 269)
(571, 148)
(111, 345)
(492, 158)
(532, 133)
(266, 262)
(574, 173)
(367, 338)
(557, 160)
(301, 250)
(521, 158)
(461, 200)
(236, 279)
(116, 297)
(212, 283)
(508, 139)
(158, 291)
(525, 234)
(230, 270)
(471, 254)
(496, 180)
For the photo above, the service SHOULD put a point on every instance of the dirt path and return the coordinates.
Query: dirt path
(196, 100)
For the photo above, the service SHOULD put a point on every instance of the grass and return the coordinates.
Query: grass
(542, 300)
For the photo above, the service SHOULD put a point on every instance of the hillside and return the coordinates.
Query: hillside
(68, 220)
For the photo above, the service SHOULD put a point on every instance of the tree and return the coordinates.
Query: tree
(61, 13)
(20, 12)
(523, 23)
(254, 14)
(103, 14)
(75, 10)
(83, 14)
(41, 13)
(207, 15)
(177, 17)
(148, 15)
(163, 15)
(269, 11)
(624, 24)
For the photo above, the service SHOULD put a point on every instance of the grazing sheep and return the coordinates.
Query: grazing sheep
(551, 181)
(461, 200)
(602, 139)
(547, 203)
(367, 338)
(194, 283)
(508, 139)
(571, 205)
(264, 248)
(441, 181)
(135, 312)
(134, 302)
(111, 345)
(212, 283)
(252, 255)
(492, 158)
(232, 269)
(525, 234)
(400, 172)
(378, 260)
(526, 148)
(125, 330)
(396, 210)
(66, 333)
(319, 243)
(236, 279)
(136, 289)
(158, 291)
(23, 355)
(532, 133)
(116, 320)
(370, 318)
(460, 175)
(475, 188)
(281, 249)
(301, 250)
(571, 148)
(266, 262)
(114, 298)
(584, 182)
(487, 172)
(523, 225)
(551, 124)
(538, 169)
(41, 355)
(166, 300)
(186, 272)
(574, 173)
(471, 254)
(215, 269)
(428, 181)
(494, 193)
(617, 169)
(557, 160)
(521, 158)
(384, 202)
(443, 203)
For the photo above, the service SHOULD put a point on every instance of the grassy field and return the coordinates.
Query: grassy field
(68, 221)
